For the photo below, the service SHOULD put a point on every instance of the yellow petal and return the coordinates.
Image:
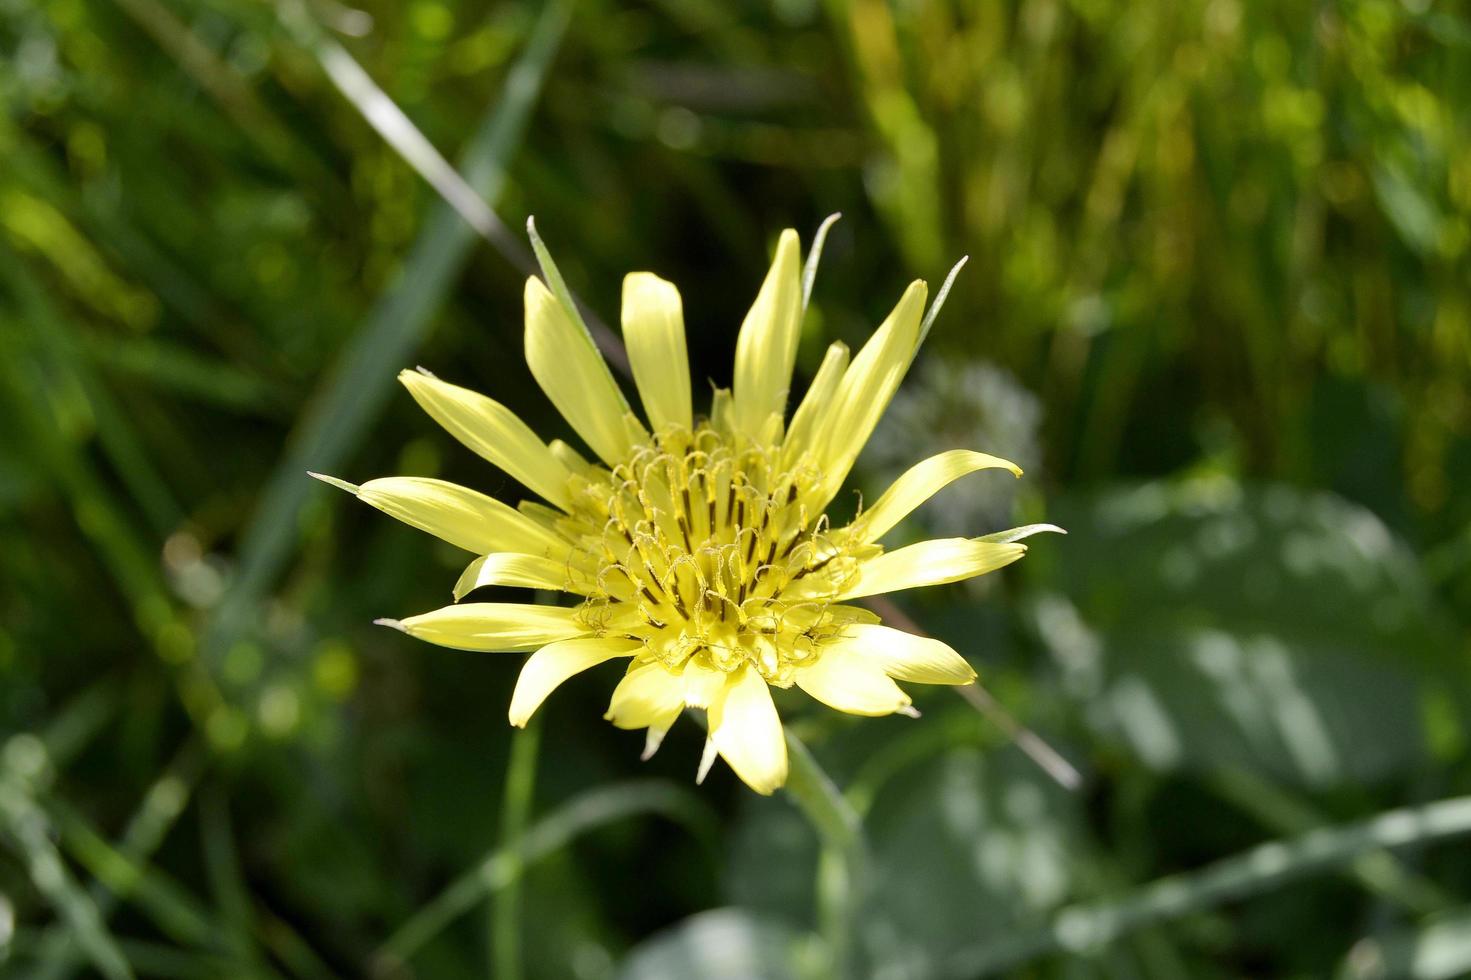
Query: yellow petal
(547, 668)
(867, 387)
(492, 626)
(815, 404)
(653, 328)
(906, 657)
(569, 457)
(649, 695)
(701, 684)
(747, 732)
(930, 563)
(456, 514)
(576, 378)
(843, 678)
(918, 484)
(767, 345)
(654, 735)
(521, 571)
(493, 431)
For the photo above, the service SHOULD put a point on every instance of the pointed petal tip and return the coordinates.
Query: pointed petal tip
(351, 488)
(707, 759)
(908, 711)
(396, 624)
(531, 225)
(1016, 534)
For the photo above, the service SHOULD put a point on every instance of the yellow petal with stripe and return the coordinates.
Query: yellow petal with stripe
(492, 430)
(918, 484)
(576, 378)
(653, 328)
(930, 563)
(867, 387)
(747, 732)
(649, 695)
(905, 656)
(547, 668)
(818, 400)
(492, 626)
(767, 345)
(843, 678)
(521, 571)
(463, 517)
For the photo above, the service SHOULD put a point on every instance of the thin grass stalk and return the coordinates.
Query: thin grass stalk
(1048, 759)
(1088, 928)
(25, 827)
(588, 811)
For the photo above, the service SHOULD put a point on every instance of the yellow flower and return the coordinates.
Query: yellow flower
(697, 544)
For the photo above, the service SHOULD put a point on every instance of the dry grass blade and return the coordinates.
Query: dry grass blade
(342, 411)
(1048, 759)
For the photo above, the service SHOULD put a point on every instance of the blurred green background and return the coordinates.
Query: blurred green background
(1218, 304)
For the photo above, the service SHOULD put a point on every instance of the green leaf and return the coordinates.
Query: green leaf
(1207, 626)
(722, 944)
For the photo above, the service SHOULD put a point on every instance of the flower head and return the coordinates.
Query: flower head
(697, 544)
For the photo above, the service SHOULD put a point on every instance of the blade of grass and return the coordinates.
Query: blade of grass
(588, 811)
(51, 341)
(153, 960)
(222, 867)
(350, 398)
(169, 366)
(410, 143)
(28, 832)
(291, 948)
(1087, 928)
(162, 805)
(177, 914)
(73, 727)
(215, 75)
(1380, 872)
(33, 409)
(399, 131)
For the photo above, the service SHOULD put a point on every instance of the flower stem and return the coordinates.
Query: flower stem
(505, 907)
(843, 863)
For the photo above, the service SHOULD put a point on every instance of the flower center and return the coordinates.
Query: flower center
(698, 542)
